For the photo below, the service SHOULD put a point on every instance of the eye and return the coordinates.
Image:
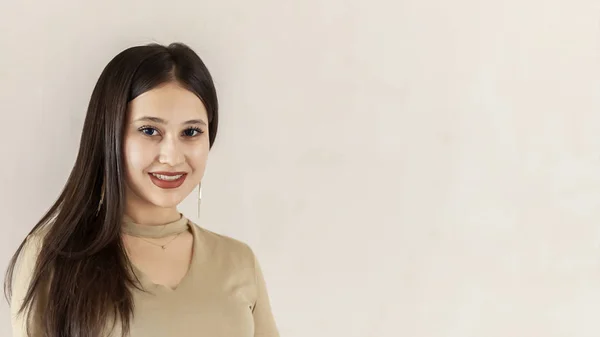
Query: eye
(148, 130)
(192, 132)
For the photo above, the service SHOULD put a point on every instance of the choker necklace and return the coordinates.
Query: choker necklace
(176, 228)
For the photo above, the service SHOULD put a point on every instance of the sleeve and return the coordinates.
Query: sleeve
(20, 284)
(264, 322)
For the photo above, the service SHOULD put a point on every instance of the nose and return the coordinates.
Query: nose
(170, 152)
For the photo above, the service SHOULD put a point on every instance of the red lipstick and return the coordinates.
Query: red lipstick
(168, 180)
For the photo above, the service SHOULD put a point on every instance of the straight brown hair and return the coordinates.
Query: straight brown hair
(82, 269)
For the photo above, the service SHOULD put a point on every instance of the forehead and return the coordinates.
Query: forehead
(170, 102)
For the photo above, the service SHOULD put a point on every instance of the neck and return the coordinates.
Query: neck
(143, 212)
(152, 215)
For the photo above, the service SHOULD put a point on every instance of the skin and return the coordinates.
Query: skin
(167, 131)
(170, 145)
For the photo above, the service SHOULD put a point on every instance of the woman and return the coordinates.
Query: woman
(113, 256)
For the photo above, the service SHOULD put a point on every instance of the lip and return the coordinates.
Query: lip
(168, 184)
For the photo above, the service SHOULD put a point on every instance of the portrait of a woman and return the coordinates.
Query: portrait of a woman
(114, 256)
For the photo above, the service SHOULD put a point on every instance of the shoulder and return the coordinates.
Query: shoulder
(26, 260)
(23, 269)
(31, 247)
(224, 249)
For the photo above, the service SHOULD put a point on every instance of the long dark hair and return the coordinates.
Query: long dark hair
(82, 268)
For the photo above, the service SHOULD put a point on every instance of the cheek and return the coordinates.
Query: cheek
(197, 157)
(137, 155)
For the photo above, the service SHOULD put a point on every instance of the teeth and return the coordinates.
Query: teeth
(167, 178)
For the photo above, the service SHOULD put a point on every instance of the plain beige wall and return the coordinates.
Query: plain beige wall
(402, 168)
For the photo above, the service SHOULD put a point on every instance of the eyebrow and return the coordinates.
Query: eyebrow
(162, 121)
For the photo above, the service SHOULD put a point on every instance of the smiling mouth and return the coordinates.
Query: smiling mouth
(167, 180)
(167, 177)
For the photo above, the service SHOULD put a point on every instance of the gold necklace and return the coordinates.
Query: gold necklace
(163, 246)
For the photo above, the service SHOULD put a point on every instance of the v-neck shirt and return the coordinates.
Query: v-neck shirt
(223, 294)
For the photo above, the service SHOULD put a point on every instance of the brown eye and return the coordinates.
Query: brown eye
(192, 132)
(148, 131)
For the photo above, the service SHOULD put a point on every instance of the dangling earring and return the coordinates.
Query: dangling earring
(199, 198)
(101, 199)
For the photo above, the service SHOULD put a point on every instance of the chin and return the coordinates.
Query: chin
(166, 202)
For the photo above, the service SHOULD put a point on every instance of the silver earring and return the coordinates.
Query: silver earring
(199, 198)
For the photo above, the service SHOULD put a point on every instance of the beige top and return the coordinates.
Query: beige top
(222, 294)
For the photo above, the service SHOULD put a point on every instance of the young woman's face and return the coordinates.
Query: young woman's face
(166, 146)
